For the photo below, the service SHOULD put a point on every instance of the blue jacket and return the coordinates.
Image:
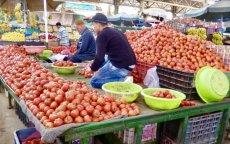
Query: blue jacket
(86, 47)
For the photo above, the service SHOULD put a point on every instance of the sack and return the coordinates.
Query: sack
(151, 79)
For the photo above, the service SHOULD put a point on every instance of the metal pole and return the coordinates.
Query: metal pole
(46, 21)
(25, 4)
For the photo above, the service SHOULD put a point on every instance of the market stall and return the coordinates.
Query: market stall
(176, 67)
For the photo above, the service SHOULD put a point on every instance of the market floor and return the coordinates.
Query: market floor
(9, 122)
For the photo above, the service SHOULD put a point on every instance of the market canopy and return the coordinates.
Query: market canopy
(123, 17)
(156, 12)
(32, 5)
(219, 10)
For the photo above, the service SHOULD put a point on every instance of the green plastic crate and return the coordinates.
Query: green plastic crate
(228, 75)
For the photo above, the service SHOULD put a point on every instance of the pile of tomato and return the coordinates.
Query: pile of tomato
(64, 63)
(85, 73)
(163, 94)
(164, 46)
(54, 100)
(59, 49)
(36, 141)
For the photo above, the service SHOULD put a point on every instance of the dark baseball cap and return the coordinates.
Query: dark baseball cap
(99, 18)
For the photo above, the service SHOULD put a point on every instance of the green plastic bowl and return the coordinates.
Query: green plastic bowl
(162, 103)
(228, 75)
(64, 70)
(212, 84)
(45, 54)
(122, 90)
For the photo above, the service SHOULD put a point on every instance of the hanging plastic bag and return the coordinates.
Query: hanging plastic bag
(151, 79)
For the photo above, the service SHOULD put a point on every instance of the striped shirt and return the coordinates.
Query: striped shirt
(63, 37)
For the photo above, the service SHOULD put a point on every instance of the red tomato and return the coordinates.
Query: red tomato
(58, 122)
(68, 120)
(74, 113)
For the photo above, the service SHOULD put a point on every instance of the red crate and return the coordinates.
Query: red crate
(140, 71)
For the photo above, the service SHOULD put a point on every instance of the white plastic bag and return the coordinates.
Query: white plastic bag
(151, 79)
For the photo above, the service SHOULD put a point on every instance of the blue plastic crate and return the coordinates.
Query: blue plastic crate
(24, 135)
(203, 129)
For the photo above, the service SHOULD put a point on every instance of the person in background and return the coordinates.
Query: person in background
(63, 36)
(86, 46)
(114, 58)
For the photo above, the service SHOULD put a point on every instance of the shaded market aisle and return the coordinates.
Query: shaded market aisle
(9, 122)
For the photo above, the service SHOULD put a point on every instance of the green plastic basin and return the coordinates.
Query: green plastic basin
(228, 75)
(64, 70)
(45, 54)
(122, 90)
(212, 84)
(162, 103)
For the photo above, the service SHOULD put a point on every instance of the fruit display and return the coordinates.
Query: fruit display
(34, 36)
(33, 21)
(59, 49)
(85, 73)
(64, 63)
(50, 36)
(186, 103)
(200, 32)
(217, 38)
(14, 37)
(4, 28)
(18, 13)
(163, 94)
(54, 100)
(164, 46)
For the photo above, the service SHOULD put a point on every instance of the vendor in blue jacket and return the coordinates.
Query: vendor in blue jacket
(114, 58)
(86, 46)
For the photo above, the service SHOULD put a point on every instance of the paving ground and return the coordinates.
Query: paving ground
(9, 121)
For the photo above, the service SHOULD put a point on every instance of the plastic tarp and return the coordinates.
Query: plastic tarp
(219, 10)
(123, 17)
(196, 13)
(157, 12)
(220, 7)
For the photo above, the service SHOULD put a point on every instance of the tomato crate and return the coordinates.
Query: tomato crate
(203, 129)
(190, 92)
(175, 74)
(140, 71)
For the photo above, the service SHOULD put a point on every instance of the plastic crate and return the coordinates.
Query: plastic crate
(177, 80)
(21, 115)
(23, 135)
(189, 95)
(140, 71)
(182, 76)
(203, 129)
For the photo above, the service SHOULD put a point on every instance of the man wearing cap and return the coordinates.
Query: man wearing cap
(114, 58)
(86, 46)
(63, 36)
